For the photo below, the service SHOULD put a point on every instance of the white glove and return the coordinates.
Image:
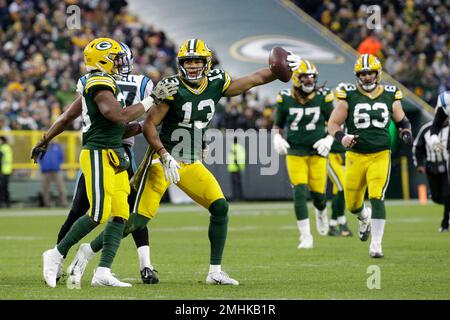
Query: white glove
(279, 144)
(164, 90)
(323, 145)
(294, 61)
(436, 143)
(204, 152)
(170, 166)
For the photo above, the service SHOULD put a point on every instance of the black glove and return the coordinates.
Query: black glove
(39, 150)
(406, 137)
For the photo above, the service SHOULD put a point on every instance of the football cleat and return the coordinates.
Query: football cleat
(345, 231)
(52, 262)
(149, 276)
(104, 278)
(333, 231)
(322, 221)
(364, 225)
(220, 278)
(79, 263)
(442, 229)
(60, 274)
(306, 242)
(376, 255)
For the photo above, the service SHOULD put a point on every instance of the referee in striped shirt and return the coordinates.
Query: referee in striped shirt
(431, 155)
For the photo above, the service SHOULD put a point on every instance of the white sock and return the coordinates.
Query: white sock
(363, 214)
(215, 268)
(333, 223)
(144, 257)
(377, 231)
(342, 220)
(303, 227)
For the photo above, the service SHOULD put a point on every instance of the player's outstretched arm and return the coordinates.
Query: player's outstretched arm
(247, 82)
(402, 123)
(67, 117)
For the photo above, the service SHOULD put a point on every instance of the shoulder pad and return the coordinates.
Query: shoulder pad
(100, 78)
(284, 92)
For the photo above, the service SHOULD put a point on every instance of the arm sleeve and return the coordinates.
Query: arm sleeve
(419, 148)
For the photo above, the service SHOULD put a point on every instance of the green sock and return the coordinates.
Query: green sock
(218, 228)
(378, 209)
(300, 198)
(319, 200)
(113, 233)
(357, 211)
(338, 205)
(135, 222)
(78, 231)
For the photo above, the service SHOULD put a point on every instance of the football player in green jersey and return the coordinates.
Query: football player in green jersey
(103, 159)
(184, 116)
(367, 109)
(304, 110)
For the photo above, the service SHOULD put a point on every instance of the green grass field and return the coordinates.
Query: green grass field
(261, 253)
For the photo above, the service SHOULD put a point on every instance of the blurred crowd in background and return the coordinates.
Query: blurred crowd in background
(412, 40)
(42, 59)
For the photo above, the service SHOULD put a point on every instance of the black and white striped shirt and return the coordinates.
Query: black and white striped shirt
(424, 154)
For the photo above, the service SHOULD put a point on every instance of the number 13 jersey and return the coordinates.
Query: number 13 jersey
(369, 116)
(190, 111)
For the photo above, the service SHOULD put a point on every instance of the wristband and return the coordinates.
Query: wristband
(147, 103)
(339, 135)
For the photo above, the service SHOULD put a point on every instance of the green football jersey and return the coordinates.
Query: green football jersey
(190, 111)
(98, 131)
(305, 123)
(369, 117)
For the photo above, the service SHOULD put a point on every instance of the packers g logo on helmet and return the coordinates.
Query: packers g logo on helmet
(104, 54)
(307, 68)
(368, 63)
(194, 49)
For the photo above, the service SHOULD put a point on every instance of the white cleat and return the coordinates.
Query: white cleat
(104, 278)
(364, 225)
(52, 263)
(60, 274)
(306, 242)
(322, 221)
(79, 263)
(220, 278)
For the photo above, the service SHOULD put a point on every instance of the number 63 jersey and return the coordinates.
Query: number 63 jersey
(190, 111)
(369, 116)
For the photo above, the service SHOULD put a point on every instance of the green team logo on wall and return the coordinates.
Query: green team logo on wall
(256, 49)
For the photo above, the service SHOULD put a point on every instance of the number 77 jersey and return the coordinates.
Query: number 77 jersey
(369, 115)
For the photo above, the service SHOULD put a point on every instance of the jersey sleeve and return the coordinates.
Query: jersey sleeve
(398, 94)
(281, 112)
(340, 92)
(227, 81)
(327, 108)
(99, 82)
(146, 88)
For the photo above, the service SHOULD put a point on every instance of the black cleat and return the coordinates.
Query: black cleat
(376, 255)
(345, 231)
(333, 232)
(149, 276)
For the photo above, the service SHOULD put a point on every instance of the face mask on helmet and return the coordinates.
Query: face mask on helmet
(193, 69)
(368, 80)
(125, 64)
(306, 82)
